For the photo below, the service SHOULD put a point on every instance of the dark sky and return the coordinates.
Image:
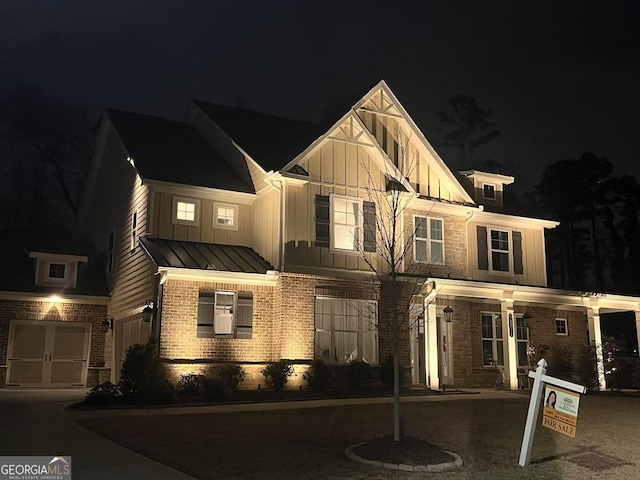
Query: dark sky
(561, 76)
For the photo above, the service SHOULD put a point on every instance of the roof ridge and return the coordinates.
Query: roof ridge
(255, 112)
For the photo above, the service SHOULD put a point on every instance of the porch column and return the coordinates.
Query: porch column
(431, 346)
(638, 329)
(595, 335)
(509, 345)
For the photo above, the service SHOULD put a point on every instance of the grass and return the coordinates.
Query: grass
(309, 443)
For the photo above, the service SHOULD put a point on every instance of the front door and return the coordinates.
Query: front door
(445, 360)
(47, 354)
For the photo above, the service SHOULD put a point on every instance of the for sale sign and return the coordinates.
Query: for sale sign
(560, 410)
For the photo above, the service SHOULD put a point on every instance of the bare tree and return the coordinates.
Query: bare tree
(390, 259)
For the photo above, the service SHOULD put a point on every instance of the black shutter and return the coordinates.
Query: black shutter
(322, 220)
(483, 251)
(369, 214)
(518, 268)
(244, 315)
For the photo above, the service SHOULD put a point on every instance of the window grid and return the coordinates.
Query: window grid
(346, 223)
(57, 271)
(492, 340)
(489, 191)
(500, 252)
(226, 216)
(429, 240)
(186, 211)
(561, 326)
(522, 340)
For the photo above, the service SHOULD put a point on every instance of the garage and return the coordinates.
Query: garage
(48, 353)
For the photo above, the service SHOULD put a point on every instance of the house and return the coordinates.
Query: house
(240, 236)
(53, 307)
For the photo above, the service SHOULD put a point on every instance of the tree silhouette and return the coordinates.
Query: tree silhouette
(466, 126)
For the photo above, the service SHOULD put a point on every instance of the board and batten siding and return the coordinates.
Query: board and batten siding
(164, 227)
(266, 226)
(533, 257)
(338, 168)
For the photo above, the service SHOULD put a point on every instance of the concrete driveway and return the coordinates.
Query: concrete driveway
(33, 422)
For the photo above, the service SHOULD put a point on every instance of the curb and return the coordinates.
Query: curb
(439, 467)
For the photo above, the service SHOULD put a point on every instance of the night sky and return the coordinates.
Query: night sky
(562, 77)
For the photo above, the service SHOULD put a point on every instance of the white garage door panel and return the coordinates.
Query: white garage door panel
(48, 354)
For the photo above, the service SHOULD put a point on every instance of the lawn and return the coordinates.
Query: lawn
(309, 443)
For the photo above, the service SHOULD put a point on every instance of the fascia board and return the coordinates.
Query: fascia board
(515, 221)
(46, 297)
(242, 198)
(270, 278)
(62, 257)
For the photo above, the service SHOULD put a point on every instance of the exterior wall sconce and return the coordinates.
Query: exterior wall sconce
(526, 319)
(147, 312)
(107, 323)
(448, 314)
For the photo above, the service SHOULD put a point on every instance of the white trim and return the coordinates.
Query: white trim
(46, 297)
(191, 191)
(566, 327)
(59, 257)
(235, 218)
(359, 227)
(515, 221)
(133, 232)
(489, 177)
(174, 273)
(188, 201)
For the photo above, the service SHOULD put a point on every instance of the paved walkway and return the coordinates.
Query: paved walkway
(34, 422)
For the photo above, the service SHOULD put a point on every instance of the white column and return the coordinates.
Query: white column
(431, 346)
(509, 344)
(638, 329)
(595, 336)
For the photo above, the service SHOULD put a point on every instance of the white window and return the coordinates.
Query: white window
(225, 314)
(522, 339)
(110, 251)
(561, 326)
(57, 271)
(225, 216)
(489, 191)
(346, 222)
(186, 211)
(492, 340)
(346, 330)
(428, 246)
(499, 251)
(134, 230)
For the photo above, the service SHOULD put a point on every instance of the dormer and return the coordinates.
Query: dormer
(56, 270)
(488, 188)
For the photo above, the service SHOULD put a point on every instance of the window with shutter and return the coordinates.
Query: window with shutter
(225, 314)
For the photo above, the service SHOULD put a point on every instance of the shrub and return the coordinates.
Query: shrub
(358, 373)
(190, 384)
(618, 367)
(215, 389)
(277, 374)
(385, 372)
(318, 376)
(231, 373)
(586, 368)
(560, 360)
(106, 393)
(142, 373)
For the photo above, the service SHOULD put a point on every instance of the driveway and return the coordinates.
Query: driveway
(33, 422)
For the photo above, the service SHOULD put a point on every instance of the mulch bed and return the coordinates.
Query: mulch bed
(409, 451)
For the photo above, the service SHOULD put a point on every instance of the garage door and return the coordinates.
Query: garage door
(47, 354)
(129, 332)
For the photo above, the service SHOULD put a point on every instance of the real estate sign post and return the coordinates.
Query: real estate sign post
(561, 398)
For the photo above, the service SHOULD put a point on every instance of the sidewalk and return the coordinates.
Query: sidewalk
(475, 394)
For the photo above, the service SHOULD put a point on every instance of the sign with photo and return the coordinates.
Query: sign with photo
(560, 410)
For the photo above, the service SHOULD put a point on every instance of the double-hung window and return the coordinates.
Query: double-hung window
(561, 326)
(346, 330)
(499, 250)
(428, 246)
(488, 191)
(346, 222)
(225, 314)
(492, 340)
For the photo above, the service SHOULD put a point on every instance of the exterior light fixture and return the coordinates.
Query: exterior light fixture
(107, 323)
(448, 314)
(526, 319)
(54, 298)
(147, 312)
